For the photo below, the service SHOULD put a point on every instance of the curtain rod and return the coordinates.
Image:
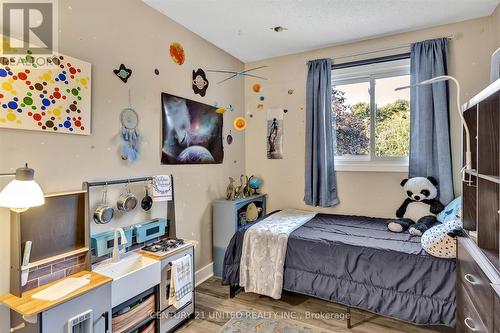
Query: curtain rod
(380, 50)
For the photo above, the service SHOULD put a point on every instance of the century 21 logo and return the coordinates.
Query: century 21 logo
(29, 26)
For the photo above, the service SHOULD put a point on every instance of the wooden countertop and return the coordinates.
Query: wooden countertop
(28, 306)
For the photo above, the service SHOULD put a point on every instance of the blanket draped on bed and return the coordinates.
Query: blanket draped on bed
(264, 250)
(356, 261)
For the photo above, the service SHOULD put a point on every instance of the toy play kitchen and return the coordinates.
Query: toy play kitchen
(127, 261)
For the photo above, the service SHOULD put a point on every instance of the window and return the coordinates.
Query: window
(372, 120)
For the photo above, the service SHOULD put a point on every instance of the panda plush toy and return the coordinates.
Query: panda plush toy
(418, 212)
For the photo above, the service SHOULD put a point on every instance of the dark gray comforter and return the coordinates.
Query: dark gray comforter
(356, 261)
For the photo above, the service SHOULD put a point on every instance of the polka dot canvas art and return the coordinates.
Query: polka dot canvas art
(54, 98)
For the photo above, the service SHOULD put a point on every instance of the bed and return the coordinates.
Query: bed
(357, 262)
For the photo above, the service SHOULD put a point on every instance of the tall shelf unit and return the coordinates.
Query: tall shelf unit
(478, 271)
(482, 183)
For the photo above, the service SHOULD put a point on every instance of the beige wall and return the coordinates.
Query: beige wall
(107, 33)
(495, 17)
(362, 193)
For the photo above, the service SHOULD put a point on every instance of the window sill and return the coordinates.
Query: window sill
(355, 166)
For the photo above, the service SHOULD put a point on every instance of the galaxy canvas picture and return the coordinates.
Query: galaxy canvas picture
(191, 132)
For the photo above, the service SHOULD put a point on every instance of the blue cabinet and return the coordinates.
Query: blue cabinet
(227, 217)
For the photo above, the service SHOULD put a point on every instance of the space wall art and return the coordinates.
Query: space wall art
(191, 132)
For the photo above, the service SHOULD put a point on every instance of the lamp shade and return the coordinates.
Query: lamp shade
(21, 194)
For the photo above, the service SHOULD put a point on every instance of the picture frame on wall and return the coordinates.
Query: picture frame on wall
(192, 132)
(53, 98)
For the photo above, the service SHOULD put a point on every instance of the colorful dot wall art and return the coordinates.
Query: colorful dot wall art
(55, 98)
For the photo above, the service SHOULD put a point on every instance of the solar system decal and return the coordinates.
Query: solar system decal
(191, 132)
(123, 73)
(177, 53)
(52, 99)
(200, 82)
(240, 123)
(275, 134)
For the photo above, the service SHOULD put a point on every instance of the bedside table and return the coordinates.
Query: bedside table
(225, 218)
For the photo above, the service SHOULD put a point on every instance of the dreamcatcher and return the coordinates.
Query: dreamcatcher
(129, 134)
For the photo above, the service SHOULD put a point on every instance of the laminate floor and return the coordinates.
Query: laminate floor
(214, 308)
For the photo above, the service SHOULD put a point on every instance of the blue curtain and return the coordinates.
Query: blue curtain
(430, 148)
(321, 183)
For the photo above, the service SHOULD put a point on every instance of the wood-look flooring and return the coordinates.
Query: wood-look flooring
(214, 308)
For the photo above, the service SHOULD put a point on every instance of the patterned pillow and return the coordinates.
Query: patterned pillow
(436, 241)
(451, 211)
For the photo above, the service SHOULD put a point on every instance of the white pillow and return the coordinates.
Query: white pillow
(436, 241)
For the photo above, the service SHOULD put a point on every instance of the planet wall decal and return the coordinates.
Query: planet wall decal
(177, 53)
(240, 123)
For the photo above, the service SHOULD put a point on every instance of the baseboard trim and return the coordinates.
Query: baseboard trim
(204, 274)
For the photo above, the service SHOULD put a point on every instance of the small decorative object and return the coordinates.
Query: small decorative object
(230, 108)
(242, 187)
(252, 212)
(256, 88)
(200, 82)
(230, 189)
(38, 99)
(192, 132)
(279, 28)
(123, 73)
(418, 212)
(162, 188)
(238, 73)
(220, 110)
(255, 184)
(261, 98)
(260, 107)
(275, 134)
(246, 189)
(229, 138)
(240, 123)
(157, 71)
(242, 218)
(177, 53)
(237, 192)
(129, 135)
(285, 111)
(290, 91)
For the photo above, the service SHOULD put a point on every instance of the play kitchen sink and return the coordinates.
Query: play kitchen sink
(132, 275)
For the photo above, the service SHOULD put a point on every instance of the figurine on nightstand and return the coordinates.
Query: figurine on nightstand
(230, 189)
(237, 191)
(254, 184)
(246, 189)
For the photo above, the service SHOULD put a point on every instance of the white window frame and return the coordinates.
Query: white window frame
(370, 73)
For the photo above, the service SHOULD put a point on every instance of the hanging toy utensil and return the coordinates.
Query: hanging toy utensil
(147, 201)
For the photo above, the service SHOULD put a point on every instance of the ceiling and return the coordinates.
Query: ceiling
(243, 28)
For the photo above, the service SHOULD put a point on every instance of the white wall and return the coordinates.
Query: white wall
(361, 193)
(107, 33)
